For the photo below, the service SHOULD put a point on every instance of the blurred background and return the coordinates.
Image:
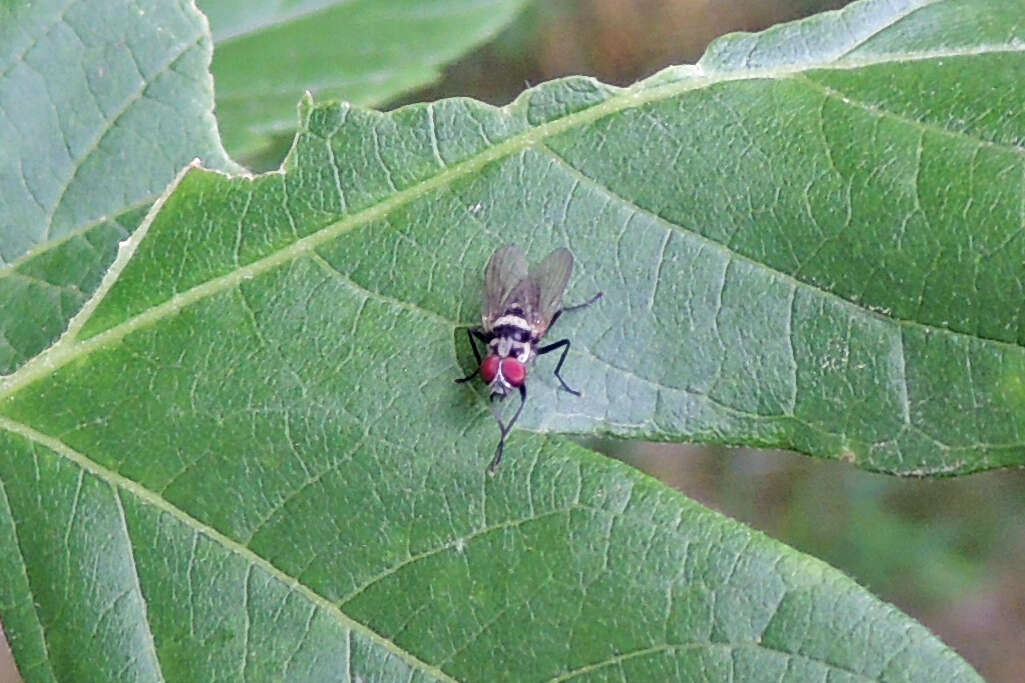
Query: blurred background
(949, 552)
(618, 41)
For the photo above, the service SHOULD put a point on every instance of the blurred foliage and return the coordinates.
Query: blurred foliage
(617, 41)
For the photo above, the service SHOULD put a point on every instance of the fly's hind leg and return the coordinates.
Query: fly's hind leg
(570, 309)
(585, 304)
(564, 345)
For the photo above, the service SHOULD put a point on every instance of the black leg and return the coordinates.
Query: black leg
(564, 345)
(585, 304)
(471, 333)
(496, 461)
(574, 308)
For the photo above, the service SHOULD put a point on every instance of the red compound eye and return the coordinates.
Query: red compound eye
(488, 369)
(513, 371)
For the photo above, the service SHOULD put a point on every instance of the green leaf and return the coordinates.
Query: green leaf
(247, 458)
(366, 52)
(103, 103)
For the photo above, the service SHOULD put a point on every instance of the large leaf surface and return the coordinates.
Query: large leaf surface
(248, 456)
(361, 51)
(102, 103)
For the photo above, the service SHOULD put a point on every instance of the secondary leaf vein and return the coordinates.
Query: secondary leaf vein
(122, 483)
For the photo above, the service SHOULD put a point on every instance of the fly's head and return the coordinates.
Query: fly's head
(503, 375)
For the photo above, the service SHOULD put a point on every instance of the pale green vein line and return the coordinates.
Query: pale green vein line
(41, 31)
(728, 252)
(879, 112)
(637, 95)
(112, 121)
(81, 231)
(252, 559)
(46, 660)
(676, 647)
(618, 659)
(33, 280)
(136, 589)
(348, 282)
(455, 543)
(886, 25)
(125, 252)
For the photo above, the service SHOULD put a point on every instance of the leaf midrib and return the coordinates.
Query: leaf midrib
(68, 349)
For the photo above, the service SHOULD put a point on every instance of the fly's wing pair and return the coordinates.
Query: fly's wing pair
(536, 290)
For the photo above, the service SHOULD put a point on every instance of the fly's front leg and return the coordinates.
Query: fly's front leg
(564, 345)
(472, 332)
(497, 460)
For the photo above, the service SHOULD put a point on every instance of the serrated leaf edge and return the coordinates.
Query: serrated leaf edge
(67, 348)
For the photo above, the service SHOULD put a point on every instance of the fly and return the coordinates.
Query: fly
(521, 303)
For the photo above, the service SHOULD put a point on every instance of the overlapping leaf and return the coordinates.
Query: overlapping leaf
(253, 444)
(103, 102)
(361, 51)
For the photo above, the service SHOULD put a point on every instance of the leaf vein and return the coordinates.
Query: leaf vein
(136, 581)
(125, 485)
(46, 659)
(874, 110)
(629, 98)
(449, 545)
(896, 19)
(111, 123)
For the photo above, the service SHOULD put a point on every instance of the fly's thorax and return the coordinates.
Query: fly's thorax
(512, 331)
(511, 325)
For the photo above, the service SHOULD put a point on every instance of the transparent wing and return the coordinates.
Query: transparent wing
(550, 278)
(506, 269)
(526, 298)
